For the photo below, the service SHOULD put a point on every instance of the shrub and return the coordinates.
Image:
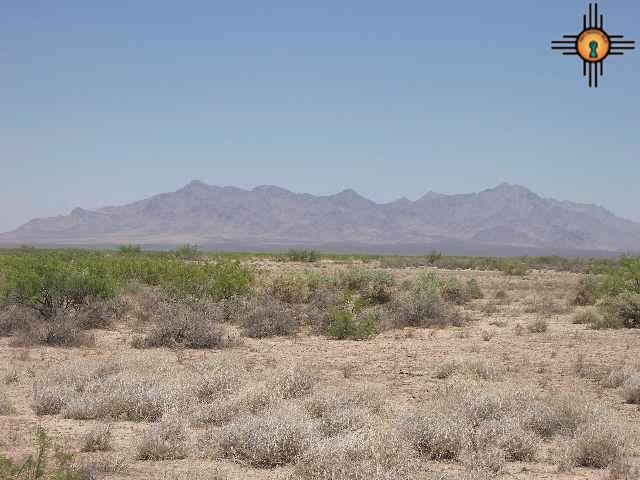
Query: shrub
(514, 268)
(509, 436)
(550, 415)
(587, 291)
(472, 290)
(97, 439)
(213, 281)
(47, 399)
(289, 288)
(188, 252)
(294, 382)
(37, 465)
(373, 285)
(15, 317)
(130, 249)
(49, 284)
(308, 256)
(339, 411)
(587, 316)
(453, 291)
(344, 326)
(273, 439)
(597, 444)
(436, 434)
(622, 311)
(538, 325)
(374, 453)
(62, 330)
(267, 317)
(196, 326)
(631, 390)
(615, 378)
(6, 408)
(423, 309)
(166, 440)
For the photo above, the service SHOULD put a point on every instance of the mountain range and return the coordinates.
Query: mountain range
(504, 216)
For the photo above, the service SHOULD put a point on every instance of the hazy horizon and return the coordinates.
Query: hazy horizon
(108, 104)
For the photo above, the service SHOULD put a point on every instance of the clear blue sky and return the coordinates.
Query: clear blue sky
(108, 102)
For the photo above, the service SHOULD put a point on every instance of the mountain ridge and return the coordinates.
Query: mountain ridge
(508, 214)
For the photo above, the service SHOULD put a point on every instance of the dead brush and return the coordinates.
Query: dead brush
(598, 443)
(268, 317)
(6, 407)
(375, 453)
(469, 367)
(165, 440)
(273, 439)
(195, 326)
(631, 389)
(294, 382)
(338, 411)
(97, 439)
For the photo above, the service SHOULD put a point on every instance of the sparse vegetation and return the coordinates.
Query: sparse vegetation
(445, 400)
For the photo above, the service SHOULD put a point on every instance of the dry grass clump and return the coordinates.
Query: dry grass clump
(63, 329)
(135, 388)
(599, 443)
(165, 440)
(615, 378)
(537, 325)
(289, 288)
(194, 326)
(97, 439)
(6, 408)
(374, 453)
(219, 377)
(469, 367)
(272, 439)
(545, 306)
(338, 411)
(631, 389)
(294, 382)
(550, 415)
(424, 309)
(437, 434)
(15, 317)
(11, 377)
(508, 435)
(587, 316)
(470, 420)
(269, 317)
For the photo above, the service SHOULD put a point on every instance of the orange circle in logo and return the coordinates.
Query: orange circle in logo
(593, 45)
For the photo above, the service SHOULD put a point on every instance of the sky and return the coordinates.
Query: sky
(105, 103)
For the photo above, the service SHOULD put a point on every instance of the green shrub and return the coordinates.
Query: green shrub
(188, 252)
(130, 249)
(308, 256)
(345, 326)
(36, 467)
(289, 288)
(587, 291)
(451, 290)
(472, 290)
(513, 267)
(622, 311)
(423, 308)
(49, 284)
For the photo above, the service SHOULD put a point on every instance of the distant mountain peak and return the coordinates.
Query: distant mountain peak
(505, 215)
(195, 185)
